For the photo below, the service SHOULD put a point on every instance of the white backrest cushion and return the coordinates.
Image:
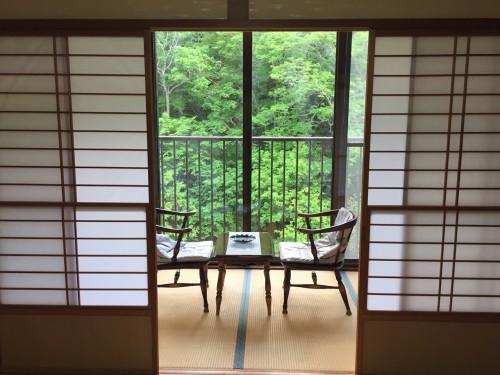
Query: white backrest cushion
(343, 216)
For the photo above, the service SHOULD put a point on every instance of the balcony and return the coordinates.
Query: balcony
(289, 175)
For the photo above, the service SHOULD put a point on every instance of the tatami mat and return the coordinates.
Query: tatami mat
(190, 338)
(315, 335)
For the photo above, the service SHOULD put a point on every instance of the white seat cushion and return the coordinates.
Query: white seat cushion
(301, 252)
(188, 252)
(327, 246)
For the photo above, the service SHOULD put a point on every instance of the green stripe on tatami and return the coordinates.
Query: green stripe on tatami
(239, 352)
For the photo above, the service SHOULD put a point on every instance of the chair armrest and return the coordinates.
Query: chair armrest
(177, 213)
(318, 214)
(160, 228)
(334, 228)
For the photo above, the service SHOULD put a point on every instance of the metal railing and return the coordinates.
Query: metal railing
(289, 175)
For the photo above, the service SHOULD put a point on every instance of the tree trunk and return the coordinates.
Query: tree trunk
(167, 102)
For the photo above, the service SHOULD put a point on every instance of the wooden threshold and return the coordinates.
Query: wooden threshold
(246, 372)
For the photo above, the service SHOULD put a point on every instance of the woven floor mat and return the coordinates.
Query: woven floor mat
(315, 335)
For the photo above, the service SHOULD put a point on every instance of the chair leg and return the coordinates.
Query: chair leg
(286, 288)
(206, 274)
(203, 286)
(314, 277)
(342, 291)
(176, 276)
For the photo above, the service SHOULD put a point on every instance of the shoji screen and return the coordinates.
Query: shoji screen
(433, 194)
(73, 171)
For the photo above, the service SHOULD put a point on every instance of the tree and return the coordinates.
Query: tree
(293, 83)
(169, 78)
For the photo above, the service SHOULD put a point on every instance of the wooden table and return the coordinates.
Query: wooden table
(258, 252)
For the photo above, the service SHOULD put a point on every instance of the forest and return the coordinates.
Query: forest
(199, 82)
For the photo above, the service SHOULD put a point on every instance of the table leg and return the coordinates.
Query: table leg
(268, 287)
(220, 286)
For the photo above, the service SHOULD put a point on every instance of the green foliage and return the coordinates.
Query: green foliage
(293, 83)
(199, 81)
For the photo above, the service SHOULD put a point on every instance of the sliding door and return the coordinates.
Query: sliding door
(432, 200)
(75, 191)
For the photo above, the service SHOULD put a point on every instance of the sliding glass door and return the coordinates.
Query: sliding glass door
(247, 125)
(293, 81)
(199, 107)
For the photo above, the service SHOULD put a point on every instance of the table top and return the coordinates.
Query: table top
(262, 246)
